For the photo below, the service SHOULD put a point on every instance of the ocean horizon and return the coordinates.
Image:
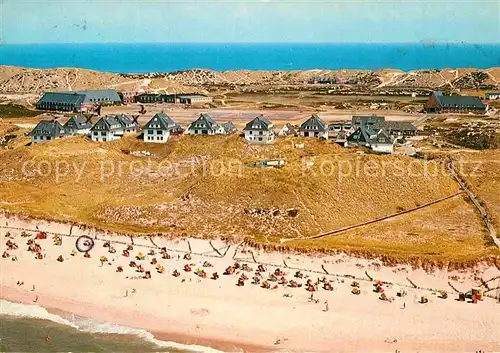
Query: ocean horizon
(168, 57)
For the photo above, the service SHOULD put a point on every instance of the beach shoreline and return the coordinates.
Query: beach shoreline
(65, 308)
(192, 310)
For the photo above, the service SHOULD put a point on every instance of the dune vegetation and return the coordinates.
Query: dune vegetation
(207, 186)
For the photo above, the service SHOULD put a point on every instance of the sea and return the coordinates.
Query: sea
(167, 57)
(24, 328)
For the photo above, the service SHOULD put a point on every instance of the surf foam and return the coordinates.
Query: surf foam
(91, 326)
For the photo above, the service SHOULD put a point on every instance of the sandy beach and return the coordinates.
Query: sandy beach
(220, 314)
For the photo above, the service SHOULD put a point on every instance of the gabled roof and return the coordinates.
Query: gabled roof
(228, 127)
(314, 123)
(287, 129)
(205, 119)
(259, 124)
(361, 134)
(458, 101)
(48, 128)
(78, 122)
(107, 123)
(366, 135)
(381, 137)
(91, 96)
(124, 120)
(163, 120)
(62, 98)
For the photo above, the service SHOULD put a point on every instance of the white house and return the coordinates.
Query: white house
(378, 140)
(226, 129)
(159, 128)
(204, 125)
(78, 125)
(47, 130)
(108, 128)
(259, 130)
(128, 124)
(313, 127)
(287, 130)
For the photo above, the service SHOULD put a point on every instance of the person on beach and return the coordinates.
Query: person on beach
(33, 289)
(326, 305)
(36, 299)
(126, 293)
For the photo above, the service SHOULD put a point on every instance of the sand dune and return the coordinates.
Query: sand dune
(22, 80)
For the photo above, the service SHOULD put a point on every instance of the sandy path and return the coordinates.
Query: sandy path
(220, 311)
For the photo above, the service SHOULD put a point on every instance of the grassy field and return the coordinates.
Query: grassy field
(204, 187)
(315, 99)
(481, 171)
(457, 234)
(10, 110)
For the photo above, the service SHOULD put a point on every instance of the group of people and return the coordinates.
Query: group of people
(271, 280)
(261, 277)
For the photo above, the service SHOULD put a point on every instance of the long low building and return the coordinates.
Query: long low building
(194, 98)
(439, 102)
(77, 101)
(183, 98)
(60, 101)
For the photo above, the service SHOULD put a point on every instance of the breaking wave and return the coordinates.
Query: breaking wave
(91, 326)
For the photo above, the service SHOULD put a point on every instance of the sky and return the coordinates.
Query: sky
(276, 21)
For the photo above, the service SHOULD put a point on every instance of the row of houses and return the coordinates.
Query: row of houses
(108, 128)
(369, 131)
(82, 101)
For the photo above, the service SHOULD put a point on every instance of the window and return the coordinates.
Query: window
(159, 132)
(250, 132)
(104, 139)
(260, 138)
(151, 132)
(260, 132)
(96, 133)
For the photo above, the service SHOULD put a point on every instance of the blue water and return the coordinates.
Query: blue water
(141, 58)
